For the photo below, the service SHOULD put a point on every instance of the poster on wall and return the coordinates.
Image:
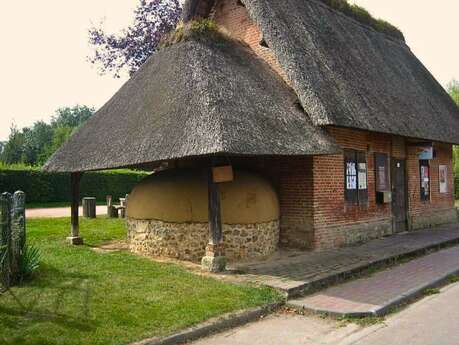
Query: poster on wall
(351, 173)
(362, 176)
(425, 181)
(443, 178)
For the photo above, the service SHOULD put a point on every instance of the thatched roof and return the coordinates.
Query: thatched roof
(194, 98)
(347, 74)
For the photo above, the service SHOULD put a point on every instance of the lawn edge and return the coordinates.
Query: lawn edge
(214, 325)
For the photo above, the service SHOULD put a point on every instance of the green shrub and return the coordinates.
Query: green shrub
(30, 261)
(43, 187)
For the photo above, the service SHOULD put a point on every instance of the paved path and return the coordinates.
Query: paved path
(58, 212)
(301, 272)
(430, 321)
(377, 293)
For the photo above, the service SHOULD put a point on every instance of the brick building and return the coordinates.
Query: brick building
(345, 122)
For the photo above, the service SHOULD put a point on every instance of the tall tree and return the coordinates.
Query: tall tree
(35, 139)
(34, 145)
(14, 147)
(453, 90)
(71, 116)
(130, 49)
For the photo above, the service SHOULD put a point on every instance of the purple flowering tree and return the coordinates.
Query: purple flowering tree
(129, 50)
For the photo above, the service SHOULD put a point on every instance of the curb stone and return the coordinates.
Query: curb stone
(213, 325)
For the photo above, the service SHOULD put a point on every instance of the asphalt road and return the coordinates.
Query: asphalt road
(433, 320)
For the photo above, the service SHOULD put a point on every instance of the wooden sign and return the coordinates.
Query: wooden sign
(223, 174)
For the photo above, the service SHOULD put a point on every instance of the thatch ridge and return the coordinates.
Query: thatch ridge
(194, 98)
(347, 74)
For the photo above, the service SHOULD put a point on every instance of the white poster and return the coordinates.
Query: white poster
(362, 176)
(443, 178)
(351, 173)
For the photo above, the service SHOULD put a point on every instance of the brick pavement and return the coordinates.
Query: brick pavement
(299, 273)
(374, 295)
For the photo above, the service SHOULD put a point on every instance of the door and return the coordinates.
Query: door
(399, 194)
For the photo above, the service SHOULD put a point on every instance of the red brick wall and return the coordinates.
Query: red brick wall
(438, 201)
(234, 18)
(311, 190)
(292, 178)
(330, 208)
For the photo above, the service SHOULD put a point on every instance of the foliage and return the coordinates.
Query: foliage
(71, 116)
(453, 90)
(197, 29)
(30, 261)
(363, 16)
(14, 147)
(45, 187)
(34, 145)
(431, 291)
(130, 49)
(83, 296)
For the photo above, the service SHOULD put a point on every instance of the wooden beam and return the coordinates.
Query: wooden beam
(215, 221)
(214, 260)
(74, 237)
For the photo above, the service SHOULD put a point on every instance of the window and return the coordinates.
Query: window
(382, 172)
(355, 177)
(424, 171)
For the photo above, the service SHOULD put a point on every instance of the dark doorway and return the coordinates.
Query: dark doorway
(399, 196)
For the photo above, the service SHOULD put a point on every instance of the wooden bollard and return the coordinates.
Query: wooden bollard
(89, 207)
(5, 237)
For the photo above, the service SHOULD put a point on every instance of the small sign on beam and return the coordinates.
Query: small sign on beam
(223, 174)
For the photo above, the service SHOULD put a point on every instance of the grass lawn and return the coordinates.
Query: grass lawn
(80, 296)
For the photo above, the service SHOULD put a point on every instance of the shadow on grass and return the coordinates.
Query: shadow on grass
(54, 296)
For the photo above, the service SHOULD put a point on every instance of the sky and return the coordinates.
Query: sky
(44, 46)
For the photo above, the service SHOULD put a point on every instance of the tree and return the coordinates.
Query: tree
(34, 145)
(130, 49)
(60, 136)
(71, 116)
(14, 147)
(453, 90)
(35, 139)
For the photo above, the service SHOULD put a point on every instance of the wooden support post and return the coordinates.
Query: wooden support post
(214, 260)
(74, 237)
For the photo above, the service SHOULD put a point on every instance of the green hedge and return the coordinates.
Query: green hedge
(55, 187)
(456, 183)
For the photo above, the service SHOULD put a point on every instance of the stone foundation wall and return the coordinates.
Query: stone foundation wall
(349, 234)
(187, 241)
(430, 218)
